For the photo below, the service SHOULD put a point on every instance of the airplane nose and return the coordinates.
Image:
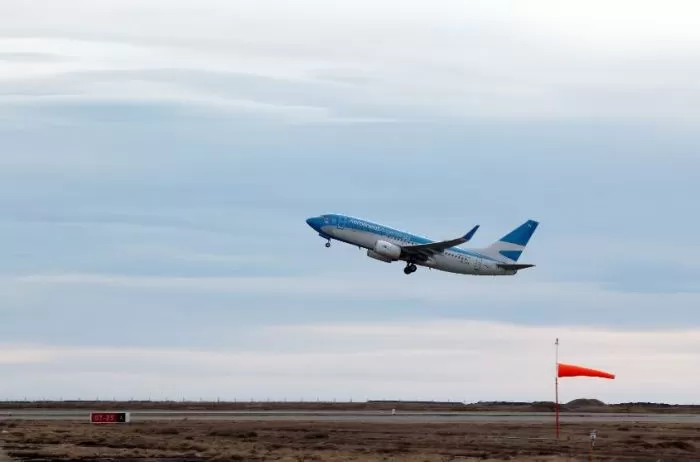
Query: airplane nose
(314, 222)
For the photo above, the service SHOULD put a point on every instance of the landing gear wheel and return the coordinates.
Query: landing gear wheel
(328, 244)
(410, 268)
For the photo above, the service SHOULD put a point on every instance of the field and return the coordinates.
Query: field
(578, 405)
(220, 441)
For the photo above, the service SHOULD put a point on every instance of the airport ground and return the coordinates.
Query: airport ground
(370, 433)
(250, 440)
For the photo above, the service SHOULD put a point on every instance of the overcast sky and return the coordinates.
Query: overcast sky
(158, 160)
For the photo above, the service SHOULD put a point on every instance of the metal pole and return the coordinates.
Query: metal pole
(556, 384)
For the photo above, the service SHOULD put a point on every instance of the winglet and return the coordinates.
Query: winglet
(470, 234)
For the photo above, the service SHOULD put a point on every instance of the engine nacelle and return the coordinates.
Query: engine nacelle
(387, 250)
(376, 256)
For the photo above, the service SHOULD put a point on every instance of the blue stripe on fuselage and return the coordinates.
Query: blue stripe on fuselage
(385, 231)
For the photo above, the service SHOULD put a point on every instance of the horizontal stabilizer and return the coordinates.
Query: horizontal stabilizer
(514, 266)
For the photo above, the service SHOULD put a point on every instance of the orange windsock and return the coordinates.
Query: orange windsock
(570, 370)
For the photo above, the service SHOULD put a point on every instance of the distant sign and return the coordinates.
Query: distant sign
(110, 417)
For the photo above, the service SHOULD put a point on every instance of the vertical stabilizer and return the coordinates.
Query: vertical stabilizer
(511, 246)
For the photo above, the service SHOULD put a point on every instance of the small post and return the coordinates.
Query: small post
(593, 435)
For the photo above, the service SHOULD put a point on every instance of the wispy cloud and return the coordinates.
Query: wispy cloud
(409, 62)
(438, 287)
(525, 299)
(85, 76)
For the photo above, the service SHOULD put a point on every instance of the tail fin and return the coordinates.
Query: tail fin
(511, 246)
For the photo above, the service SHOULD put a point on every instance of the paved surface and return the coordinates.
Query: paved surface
(352, 416)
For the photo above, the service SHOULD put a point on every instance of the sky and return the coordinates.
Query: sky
(159, 158)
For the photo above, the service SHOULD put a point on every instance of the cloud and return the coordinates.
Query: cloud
(27, 56)
(286, 290)
(84, 76)
(439, 287)
(447, 359)
(461, 61)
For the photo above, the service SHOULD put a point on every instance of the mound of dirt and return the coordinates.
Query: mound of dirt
(585, 402)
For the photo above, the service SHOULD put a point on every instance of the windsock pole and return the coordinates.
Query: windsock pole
(556, 384)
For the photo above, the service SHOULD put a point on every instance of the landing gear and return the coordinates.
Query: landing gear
(410, 268)
(328, 244)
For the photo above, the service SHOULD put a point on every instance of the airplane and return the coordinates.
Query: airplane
(389, 245)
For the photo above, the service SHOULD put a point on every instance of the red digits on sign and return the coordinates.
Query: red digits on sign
(106, 417)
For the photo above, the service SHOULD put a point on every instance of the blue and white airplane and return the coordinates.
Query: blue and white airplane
(388, 245)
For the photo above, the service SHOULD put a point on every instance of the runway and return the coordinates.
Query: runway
(351, 416)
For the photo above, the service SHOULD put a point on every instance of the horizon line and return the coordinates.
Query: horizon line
(334, 401)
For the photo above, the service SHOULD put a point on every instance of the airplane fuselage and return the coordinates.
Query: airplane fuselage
(382, 242)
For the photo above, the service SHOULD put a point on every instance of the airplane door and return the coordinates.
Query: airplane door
(341, 222)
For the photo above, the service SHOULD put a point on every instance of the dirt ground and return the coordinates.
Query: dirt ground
(192, 441)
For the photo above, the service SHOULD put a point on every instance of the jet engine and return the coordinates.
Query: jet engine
(376, 256)
(387, 250)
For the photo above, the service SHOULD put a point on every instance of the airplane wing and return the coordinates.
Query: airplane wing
(426, 250)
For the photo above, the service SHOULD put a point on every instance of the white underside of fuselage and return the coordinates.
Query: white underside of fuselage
(449, 261)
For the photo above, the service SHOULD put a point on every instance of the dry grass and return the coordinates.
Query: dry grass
(346, 441)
